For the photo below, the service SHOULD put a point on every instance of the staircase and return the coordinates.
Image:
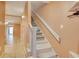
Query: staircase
(43, 48)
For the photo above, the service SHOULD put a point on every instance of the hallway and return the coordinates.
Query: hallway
(44, 29)
(14, 46)
(16, 50)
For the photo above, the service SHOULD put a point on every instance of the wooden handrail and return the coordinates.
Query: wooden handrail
(51, 31)
(60, 50)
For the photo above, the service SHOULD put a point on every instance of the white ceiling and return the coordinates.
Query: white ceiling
(11, 19)
(15, 7)
(36, 4)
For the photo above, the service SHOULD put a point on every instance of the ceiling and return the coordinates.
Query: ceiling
(13, 9)
(16, 8)
(11, 19)
(36, 4)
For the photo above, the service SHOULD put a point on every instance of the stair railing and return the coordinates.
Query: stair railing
(51, 35)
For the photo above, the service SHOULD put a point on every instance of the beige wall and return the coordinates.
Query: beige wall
(25, 36)
(24, 25)
(55, 14)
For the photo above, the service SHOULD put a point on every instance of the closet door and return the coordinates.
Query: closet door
(2, 26)
(16, 32)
